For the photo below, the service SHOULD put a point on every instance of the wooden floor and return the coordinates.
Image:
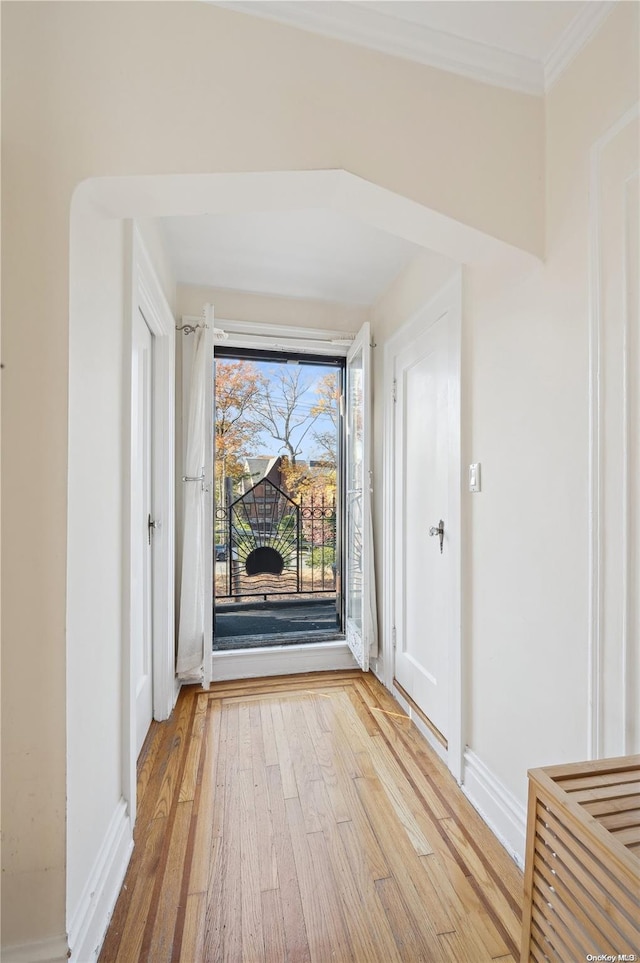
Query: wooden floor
(304, 818)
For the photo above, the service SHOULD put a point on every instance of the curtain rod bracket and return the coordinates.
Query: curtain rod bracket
(188, 328)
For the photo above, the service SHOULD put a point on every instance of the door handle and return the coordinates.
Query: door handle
(152, 525)
(438, 531)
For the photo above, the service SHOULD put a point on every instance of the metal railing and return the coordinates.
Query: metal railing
(268, 544)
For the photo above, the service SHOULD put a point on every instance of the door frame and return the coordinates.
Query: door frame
(303, 657)
(146, 295)
(447, 301)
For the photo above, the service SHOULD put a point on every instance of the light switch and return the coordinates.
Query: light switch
(474, 477)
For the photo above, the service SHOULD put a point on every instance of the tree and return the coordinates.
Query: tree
(282, 412)
(328, 406)
(238, 384)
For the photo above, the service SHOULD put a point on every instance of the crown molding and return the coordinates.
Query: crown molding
(583, 26)
(367, 25)
(386, 33)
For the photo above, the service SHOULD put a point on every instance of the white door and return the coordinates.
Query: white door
(423, 561)
(142, 525)
(358, 588)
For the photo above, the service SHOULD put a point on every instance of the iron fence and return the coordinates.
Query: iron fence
(267, 544)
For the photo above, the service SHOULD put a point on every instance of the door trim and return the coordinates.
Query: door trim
(147, 296)
(330, 655)
(447, 300)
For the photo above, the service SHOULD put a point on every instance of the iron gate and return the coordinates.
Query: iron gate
(267, 543)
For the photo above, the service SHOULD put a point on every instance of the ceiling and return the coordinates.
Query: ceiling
(325, 254)
(315, 254)
(520, 44)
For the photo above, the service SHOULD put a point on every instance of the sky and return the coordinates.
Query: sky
(265, 443)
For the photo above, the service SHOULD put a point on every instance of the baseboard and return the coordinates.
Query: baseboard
(40, 951)
(505, 816)
(282, 660)
(89, 923)
(423, 729)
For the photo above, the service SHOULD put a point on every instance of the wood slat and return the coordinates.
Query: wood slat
(604, 807)
(275, 941)
(582, 879)
(192, 944)
(207, 799)
(466, 908)
(487, 881)
(460, 947)
(323, 915)
(620, 820)
(629, 836)
(412, 943)
(606, 792)
(585, 866)
(596, 766)
(616, 777)
(587, 914)
(418, 891)
(289, 887)
(305, 820)
(160, 937)
(581, 941)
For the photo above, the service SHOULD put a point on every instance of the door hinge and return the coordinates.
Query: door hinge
(393, 637)
(394, 391)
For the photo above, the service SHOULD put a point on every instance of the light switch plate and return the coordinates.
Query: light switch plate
(474, 477)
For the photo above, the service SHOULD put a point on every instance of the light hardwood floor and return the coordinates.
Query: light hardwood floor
(304, 818)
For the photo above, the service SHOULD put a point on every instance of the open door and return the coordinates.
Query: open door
(358, 558)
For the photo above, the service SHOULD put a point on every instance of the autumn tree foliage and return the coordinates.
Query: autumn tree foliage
(327, 404)
(309, 483)
(238, 387)
(285, 404)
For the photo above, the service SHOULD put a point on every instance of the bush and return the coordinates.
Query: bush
(322, 556)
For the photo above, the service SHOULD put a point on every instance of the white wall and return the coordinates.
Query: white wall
(97, 463)
(96, 89)
(526, 387)
(527, 405)
(264, 309)
(97, 553)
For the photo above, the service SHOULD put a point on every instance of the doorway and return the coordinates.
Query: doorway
(423, 534)
(278, 498)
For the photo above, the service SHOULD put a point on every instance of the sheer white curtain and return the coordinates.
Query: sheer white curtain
(191, 633)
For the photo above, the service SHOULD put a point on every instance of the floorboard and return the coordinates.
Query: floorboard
(304, 819)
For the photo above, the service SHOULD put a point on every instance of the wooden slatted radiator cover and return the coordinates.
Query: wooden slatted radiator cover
(582, 865)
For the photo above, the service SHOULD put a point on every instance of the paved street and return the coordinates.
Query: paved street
(234, 628)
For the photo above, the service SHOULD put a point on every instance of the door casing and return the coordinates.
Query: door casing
(448, 300)
(147, 297)
(141, 505)
(303, 657)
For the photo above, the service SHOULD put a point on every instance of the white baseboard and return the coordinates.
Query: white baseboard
(91, 918)
(40, 951)
(505, 816)
(424, 730)
(282, 660)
